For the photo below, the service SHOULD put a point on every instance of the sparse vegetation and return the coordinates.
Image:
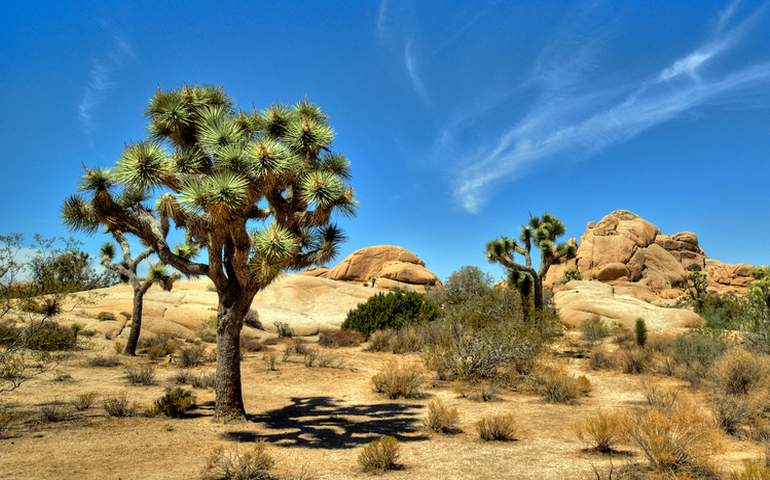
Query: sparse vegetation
(556, 385)
(640, 332)
(497, 428)
(380, 455)
(601, 431)
(399, 380)
(118, 406)
(339, 338)
(253, 464)
(103, 361)
(143, 375)
(175, 402)
(441, 418)
(190, 357)
(53, 411)
(84, 401)
(594, 329)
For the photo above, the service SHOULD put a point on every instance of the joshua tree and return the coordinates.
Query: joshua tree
(217, 173)
(542, 232)
(127, 270)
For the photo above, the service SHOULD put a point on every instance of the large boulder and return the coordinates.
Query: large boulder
(581, 300)
(398, 266)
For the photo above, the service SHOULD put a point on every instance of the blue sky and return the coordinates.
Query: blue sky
(459, 118)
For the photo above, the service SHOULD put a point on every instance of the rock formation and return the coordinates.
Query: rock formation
(389, 266)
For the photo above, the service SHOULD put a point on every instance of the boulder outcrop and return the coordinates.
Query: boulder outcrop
(389, 266)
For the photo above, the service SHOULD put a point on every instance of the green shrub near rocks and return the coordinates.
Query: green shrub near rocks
(390, 310)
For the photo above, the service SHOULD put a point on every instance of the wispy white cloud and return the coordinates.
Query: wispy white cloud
(382, 20)
(588, 123)
(410, 63)
(100, 81)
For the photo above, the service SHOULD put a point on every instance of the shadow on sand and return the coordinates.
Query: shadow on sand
(324, 422)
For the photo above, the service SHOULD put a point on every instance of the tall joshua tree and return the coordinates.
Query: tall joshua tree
(127, 270)
(541, 232)
(217, 172)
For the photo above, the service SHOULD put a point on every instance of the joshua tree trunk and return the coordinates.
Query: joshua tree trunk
(233, 306)
(136, 323)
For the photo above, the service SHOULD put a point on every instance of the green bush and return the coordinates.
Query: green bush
(49, 336)
(594, 329)
(640, 332)
(392, 310)
(105, 316)
(175, 402)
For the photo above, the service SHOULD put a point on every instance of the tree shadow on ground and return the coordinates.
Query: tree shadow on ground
(324, 422)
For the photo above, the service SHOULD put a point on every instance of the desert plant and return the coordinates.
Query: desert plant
(204, 380)
(600, 359)
(498, 427)
(103, 361)
(84, 401)
(175, 402)
(739, 372)
(399, 380)
(481, 392)
(310, 357)
(53, 411)
(184, 377)
(570, 275)
(339, 338)
(661, 398)
(601, 431)
(406, 340)
(752, 471)
(542, 232)
(216, 171)
(379, 340)
(254, 464)
(380, 455)
(192, 356)
(732, 413)
(251, 344)
(106, 316)
(390, 310)
(141, 375)
(634, 360)
(269, 358)
(118, 406)
(441, 418)
(640, 332)
(283, 330)
(594, 329)
(556, 385)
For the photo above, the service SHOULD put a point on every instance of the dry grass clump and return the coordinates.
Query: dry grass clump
(739, 372)
(118, 406)
(600, 359)
(295, 347)
(193, 356)
(251, 344)
(380, 455)
(141, 376)
(339, 338)
(499, 427)
(254, 464)
(84, 401)
(379, 341)
(103, 361)
(159, 346)
(602, 431)
(404, 340)
(269, 359)
(680, 440)
(479, 392)
(175, 402)
(660, 397)
(399, 380)
(634, 360)
(53, 411)
(752, 471)
(594, 329)
(556, 385)
(441, 418)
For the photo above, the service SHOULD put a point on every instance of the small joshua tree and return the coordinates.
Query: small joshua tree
(127, 270)
(542, 232)
(254, 193)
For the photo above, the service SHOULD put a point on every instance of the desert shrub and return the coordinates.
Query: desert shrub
(601, 431)
(49, 336)
(175, 402)
(698, 348)
(441, 418)
(752, 471)
(662, 398)
(118, 346)
(141, 375)
(252, 320)
(118, 406)
(326, 360)
(339, 338)
(497, 427)
(311, 357)
(732, 414)
(556, 385)
(640, 332)
(87, 333)
(296, 347)
(203, 380)
(7, 419)
(406, 340)
(283, 330)
(251, 344)
(399, 380)
(105, 316)
(600, 359)
(390, 310)
(184, 377)
(634, 361)
(269, 358)
(675, 441)
(159, 346)
(379, 341)
(462, 286)
(569, 275)
(739, 372)
(103, 361)
(594, 329)
(84, 401)
(481, 392)
(254, 464)
(192, 356)
(53, 411)
(380, 455)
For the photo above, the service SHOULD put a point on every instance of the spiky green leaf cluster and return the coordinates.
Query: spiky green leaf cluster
(107, 251)
(143, 165)
(78, 214)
